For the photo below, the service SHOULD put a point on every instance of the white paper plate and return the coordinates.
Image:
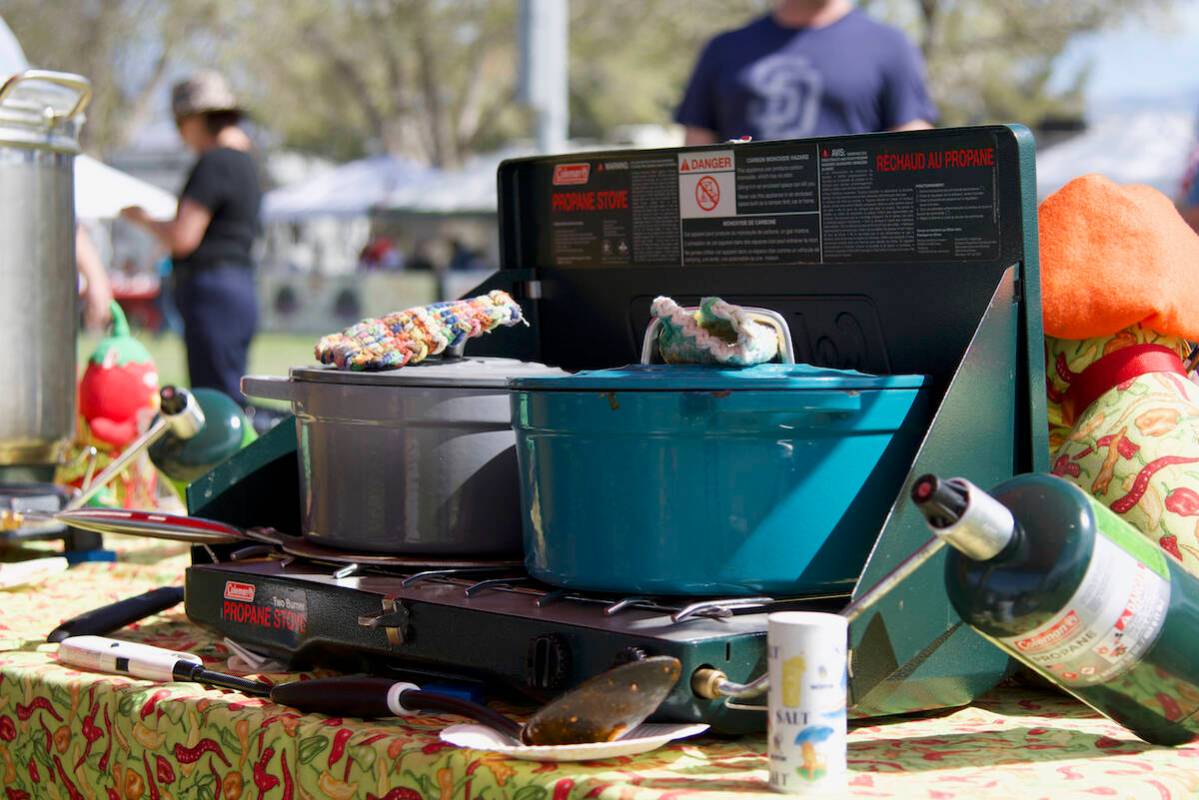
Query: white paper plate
(641, 739)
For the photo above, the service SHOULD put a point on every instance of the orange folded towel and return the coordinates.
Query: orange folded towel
(1114, 256)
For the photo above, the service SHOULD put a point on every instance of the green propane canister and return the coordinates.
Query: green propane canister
(1058, 581)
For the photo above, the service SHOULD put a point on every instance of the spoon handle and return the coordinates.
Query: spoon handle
(417, 700)
(373, 697)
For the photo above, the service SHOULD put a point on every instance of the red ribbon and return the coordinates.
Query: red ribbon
(1114, 369)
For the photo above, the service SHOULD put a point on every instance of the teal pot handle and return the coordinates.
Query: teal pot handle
(789, 407)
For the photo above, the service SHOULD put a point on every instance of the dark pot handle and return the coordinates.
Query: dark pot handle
(267, 387)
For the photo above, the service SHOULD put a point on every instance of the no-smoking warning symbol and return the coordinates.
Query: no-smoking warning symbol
(707, 193)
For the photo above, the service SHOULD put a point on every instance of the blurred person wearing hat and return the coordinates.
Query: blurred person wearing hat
(209, 239)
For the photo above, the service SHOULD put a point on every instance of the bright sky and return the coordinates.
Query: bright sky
(1155, 62)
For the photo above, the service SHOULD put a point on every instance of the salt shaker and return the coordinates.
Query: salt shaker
(807, 701)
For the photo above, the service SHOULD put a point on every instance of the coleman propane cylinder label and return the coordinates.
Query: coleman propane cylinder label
(1108, 625)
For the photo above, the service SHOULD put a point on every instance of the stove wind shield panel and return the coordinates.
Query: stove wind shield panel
(890, 253)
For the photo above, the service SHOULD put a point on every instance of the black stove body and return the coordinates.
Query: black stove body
(494, 627)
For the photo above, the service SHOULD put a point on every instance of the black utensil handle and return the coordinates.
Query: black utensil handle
(114, 616)
(339, 697)
(367, 697)
(188, 671)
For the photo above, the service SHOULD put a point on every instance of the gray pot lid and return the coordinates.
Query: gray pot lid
(42, 109)
(462, 372)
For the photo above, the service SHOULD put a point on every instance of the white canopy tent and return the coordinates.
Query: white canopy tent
(1150, 147)
(350, 190)
(467, 190)
(101, 192)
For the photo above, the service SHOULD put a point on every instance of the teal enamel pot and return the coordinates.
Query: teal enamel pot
(698, 480)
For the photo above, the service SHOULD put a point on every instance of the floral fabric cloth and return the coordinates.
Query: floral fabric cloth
(1135, 448)
(67, 735)
(1065, 358)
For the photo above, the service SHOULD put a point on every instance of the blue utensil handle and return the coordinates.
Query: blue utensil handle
(370, 697)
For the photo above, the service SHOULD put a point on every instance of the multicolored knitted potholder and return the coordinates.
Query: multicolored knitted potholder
(411, 336)
(717, 333)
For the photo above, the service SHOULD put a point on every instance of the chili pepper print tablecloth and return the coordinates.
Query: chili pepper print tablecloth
(67, 735)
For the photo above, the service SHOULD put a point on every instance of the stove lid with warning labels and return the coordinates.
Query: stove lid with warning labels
(882, 250)
(928, 198)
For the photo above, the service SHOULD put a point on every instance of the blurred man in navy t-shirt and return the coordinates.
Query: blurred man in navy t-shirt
(810, 68)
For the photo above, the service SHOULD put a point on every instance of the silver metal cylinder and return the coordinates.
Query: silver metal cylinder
(38, 320)
(986, 527)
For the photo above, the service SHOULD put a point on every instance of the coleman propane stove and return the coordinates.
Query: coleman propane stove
(890, 254)
(490, 625)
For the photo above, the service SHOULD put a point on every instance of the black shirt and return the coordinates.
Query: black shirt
(225, 181)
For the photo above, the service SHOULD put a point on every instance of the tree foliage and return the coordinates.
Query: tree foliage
(436, 79)
(433, 80)
(992, 60)
(630, 59)
(125, 47)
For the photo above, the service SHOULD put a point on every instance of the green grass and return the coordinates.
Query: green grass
(270, 353)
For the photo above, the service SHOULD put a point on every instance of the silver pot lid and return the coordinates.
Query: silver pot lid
(453, 373)
(43, 109)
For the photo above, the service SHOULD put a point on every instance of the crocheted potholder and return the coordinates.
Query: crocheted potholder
(718, 333)
(411, 336)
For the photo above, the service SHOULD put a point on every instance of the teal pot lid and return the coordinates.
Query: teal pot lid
(702, 377)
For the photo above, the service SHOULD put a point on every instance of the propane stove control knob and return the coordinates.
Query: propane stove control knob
(548, 664)
(628, 655)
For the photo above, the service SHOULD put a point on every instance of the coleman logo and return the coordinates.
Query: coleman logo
(571, 174)
(239, 591)
(1052, 636)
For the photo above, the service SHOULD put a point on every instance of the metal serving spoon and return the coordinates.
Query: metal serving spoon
(600, 709)
(157, 525)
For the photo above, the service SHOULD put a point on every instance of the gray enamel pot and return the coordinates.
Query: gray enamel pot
(414, 461)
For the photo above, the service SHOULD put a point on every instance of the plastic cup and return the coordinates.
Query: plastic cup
(807, 727)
